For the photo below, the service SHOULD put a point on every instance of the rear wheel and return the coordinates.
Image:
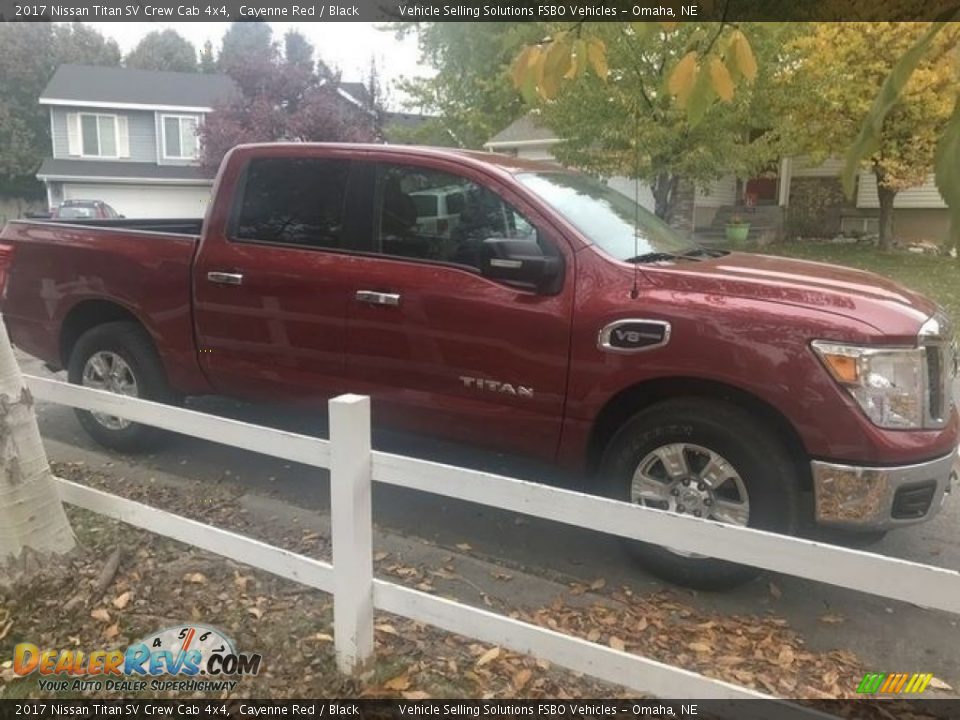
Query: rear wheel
(704, 458)
(119, 357)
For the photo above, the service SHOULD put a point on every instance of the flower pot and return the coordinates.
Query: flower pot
(737, 232)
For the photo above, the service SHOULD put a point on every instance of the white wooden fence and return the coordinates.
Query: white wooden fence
(353, 465)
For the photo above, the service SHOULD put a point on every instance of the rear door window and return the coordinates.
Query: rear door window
(294, 201)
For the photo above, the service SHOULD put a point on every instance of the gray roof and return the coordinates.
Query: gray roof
(523, 129)
(395, 120)
(358, 91)
(54, 168)
(125, 86)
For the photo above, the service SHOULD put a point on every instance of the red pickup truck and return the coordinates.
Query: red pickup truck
(539, 313)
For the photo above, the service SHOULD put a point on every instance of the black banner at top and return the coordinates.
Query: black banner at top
(477, 10)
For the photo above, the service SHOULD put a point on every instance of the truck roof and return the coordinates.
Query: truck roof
(505, 163)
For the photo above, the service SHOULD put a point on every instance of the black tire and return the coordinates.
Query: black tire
(757, 455)
(132, 343)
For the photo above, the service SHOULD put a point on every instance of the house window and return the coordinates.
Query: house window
(180, 137)
(98, 134)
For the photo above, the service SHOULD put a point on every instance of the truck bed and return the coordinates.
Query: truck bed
(65, 274)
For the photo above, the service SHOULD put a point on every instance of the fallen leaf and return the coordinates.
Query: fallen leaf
(196, 578)
(832, 619)
(101, 614)
(255, 611)
(700, 647)
(111, 632)
(786, 656)
(121, 601)
(939, 684)
(322, 637)
(381, 556)
(521, 678)
(598, 584)
(501, 576)
(617, 644)
(416, 695)
(775, 591)
(642, 624)
(593, 635)
(400, 682)
(464, 546)
(489, 656)
(389, 629)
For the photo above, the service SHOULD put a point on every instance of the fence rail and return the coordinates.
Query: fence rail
(354, 465)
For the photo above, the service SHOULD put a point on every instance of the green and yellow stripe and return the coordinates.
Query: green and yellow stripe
(894, 683)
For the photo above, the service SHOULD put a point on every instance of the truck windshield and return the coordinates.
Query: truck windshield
(608, 218)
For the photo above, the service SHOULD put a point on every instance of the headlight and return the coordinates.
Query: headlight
(888, 383)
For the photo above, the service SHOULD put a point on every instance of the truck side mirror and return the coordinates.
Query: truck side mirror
(522, 262)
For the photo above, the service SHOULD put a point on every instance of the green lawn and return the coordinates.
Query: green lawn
(937, 277)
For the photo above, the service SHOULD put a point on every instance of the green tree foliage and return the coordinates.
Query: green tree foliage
(31, 54)
(163, 50)
(910, 73)
(470, 93)
(208, 60)
(660, 103)
(840, 72)
(248, 42)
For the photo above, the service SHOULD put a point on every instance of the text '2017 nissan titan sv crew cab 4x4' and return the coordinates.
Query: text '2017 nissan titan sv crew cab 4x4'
(551, 318)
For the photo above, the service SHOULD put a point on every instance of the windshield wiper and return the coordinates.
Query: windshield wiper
(704, 252)
(661, 256)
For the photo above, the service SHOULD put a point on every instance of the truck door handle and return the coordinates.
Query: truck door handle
(225, 278)
(371, 297)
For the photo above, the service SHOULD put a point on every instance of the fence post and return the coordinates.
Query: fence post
(351, 531)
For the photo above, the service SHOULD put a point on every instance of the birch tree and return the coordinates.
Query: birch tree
(31, 514)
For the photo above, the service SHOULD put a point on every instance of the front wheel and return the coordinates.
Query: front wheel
(705, 458)
(119, 357)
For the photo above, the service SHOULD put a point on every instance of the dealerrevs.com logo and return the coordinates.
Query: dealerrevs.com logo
(185, 652)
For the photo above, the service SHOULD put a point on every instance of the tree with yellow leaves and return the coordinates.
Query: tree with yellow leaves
(840, 71)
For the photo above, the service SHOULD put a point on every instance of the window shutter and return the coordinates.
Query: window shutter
(73, 134)
(123, 136)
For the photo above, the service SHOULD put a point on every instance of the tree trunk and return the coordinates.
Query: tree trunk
(31, 514)
(886, 196)
(664, 192)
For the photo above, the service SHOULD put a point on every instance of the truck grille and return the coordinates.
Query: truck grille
(936, 337)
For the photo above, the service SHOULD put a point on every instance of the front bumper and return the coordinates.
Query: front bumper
(881, 498)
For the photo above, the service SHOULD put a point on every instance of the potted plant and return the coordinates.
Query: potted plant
(737, 229)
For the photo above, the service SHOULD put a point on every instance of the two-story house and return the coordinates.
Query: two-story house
(129, 138)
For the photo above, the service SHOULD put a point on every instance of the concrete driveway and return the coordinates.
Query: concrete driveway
(889, 636)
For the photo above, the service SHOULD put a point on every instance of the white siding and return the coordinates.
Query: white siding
(804, 167)
(722, 191)
(924, 196)
(535, 152)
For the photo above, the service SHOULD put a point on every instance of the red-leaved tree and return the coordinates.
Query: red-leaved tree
(285, 98)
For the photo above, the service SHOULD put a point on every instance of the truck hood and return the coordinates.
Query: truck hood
(890, 308)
